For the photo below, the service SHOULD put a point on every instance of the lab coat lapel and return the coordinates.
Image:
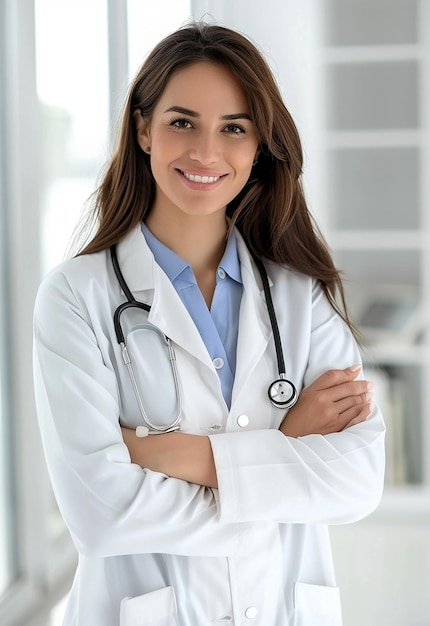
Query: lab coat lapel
(254, 322)
(149, 284)
(170, 315)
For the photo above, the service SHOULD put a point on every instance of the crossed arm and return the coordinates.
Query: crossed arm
(333, 402)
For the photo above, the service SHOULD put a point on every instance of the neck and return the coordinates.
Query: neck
(200, 241)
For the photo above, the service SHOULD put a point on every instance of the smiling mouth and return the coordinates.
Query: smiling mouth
(195, 178)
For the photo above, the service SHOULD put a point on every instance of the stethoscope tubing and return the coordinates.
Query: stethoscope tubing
(133, 303)
(272, 315)
(282, 392)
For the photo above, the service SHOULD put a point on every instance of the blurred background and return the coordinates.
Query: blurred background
(355, 75)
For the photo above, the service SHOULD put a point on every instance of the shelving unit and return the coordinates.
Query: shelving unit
(375, 200)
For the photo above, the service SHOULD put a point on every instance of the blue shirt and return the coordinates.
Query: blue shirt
(218, 327)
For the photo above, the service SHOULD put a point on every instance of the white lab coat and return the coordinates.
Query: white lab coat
(255, 551)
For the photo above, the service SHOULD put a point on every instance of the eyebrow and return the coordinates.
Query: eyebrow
(190, 113)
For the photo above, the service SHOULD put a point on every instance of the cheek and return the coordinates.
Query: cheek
(246, 155)
(163, 153)
(244, 165)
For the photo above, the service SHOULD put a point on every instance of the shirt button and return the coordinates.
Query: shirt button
(218, 363)
(220, 272)
(243, 420)
(251, 612)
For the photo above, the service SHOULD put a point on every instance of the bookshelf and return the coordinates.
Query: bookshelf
(375, 201)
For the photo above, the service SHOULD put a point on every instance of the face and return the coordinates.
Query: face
(202, 141)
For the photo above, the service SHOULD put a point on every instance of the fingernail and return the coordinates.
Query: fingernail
(355, 368)
(370, 385)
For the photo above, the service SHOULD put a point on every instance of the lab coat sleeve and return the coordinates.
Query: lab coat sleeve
(338, 478)
(110, 505)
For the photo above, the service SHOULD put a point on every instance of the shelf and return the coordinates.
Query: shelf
(395, 354)
(376, 240)
(402, 138)
(371, 54)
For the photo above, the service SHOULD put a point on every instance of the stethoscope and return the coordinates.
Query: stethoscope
(282, 392)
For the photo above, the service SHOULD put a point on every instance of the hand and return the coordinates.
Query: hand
(333, 402)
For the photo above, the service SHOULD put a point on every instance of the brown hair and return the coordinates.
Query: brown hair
(270, 211)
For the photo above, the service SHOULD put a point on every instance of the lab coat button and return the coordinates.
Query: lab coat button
(251, 612)
(243, 420)
(218, 363)
(221, 273)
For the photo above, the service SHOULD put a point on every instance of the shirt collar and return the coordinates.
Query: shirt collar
(173, 265)
(230, 261)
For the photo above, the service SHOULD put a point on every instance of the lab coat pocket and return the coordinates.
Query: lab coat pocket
(317, 605)
(157, 608)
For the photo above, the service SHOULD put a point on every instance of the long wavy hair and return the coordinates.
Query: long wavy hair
(270, 211)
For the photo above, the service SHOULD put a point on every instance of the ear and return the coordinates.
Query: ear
(142, 131)
(257, 154)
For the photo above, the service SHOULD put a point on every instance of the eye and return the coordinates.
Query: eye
(234, 129)
(181, 123)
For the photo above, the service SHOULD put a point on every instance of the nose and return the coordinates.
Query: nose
(206, 147)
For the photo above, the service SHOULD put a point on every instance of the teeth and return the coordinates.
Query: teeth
(201, 179)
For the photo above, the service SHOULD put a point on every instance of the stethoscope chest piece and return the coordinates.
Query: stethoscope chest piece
(282, 393)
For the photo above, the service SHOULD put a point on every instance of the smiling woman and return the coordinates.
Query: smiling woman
(204, 237)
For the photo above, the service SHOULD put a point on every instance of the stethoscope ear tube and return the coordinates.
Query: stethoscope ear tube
(117, 316)
(282, 392)
(119, 275)
(131, 301)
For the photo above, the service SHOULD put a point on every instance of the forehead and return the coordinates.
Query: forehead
(204, 86)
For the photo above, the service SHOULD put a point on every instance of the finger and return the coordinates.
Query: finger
(353, 371)
(356, 415)
(341, 406)
(352, 388)
(339, 393)
(332, 378)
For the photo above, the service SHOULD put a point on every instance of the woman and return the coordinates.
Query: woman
(224, 520)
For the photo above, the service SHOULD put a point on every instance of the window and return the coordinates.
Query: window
(72, 87)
